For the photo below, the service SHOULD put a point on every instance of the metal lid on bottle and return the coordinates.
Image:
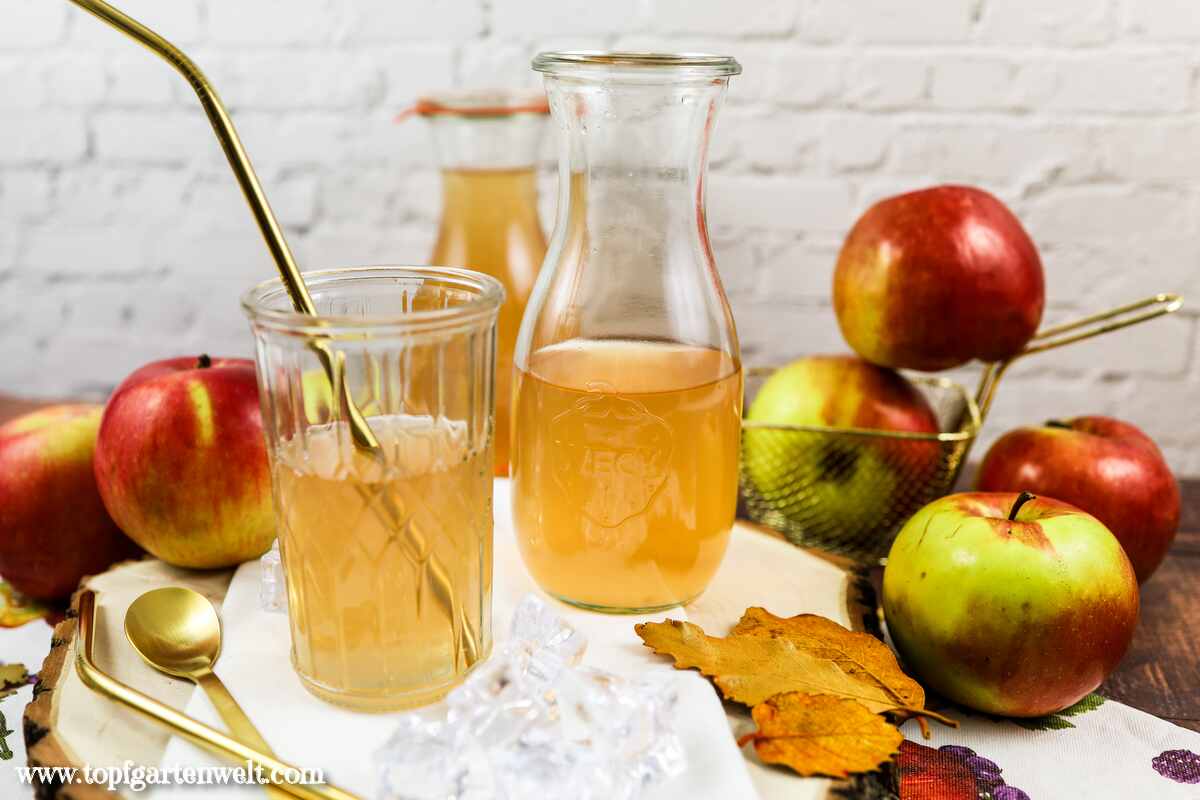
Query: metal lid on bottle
(701, 64)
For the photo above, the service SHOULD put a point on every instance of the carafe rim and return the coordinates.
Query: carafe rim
(707, 65)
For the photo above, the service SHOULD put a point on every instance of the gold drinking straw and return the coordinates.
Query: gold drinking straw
(248, 180)
(334, 366)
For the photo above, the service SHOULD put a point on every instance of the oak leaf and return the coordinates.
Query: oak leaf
(749, 669)
(859, 655)
(818, 734)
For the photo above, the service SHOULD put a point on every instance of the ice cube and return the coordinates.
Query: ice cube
(497, 703)
(427, 758)
(529, 724)
(536, 624)
(272, 590)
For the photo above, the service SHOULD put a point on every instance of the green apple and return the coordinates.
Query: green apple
(846, 482)
(1007, 603)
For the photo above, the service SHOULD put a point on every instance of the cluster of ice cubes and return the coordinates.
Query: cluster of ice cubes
(530, 723)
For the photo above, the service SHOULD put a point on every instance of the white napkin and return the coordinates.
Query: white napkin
(307, 732)
(1108, 753)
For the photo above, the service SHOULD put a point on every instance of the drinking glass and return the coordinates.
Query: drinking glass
(387, 552)
(628, 375)
(487, 144)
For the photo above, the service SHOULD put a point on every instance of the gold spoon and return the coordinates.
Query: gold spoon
(193, 730)
(177, 631)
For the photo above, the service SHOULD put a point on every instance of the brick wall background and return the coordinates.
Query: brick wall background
(123, 237)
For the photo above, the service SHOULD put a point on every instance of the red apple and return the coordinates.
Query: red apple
(182, 464)
(840, 473)
(931, 279)
(53, 528)
(1012, 605)
(1106, 467)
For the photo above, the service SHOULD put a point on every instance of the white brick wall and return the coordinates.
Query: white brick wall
(123, 237)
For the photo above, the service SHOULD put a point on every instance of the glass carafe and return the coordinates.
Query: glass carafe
(487, 146)
(628, 393)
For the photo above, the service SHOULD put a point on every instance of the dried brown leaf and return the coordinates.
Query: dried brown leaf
(750, 669)
(821, 735)
(859, 655)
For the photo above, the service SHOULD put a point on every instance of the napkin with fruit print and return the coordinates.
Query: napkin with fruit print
(1094, 749)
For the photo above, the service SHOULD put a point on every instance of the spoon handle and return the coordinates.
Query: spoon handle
(235, 718)
(239, 724)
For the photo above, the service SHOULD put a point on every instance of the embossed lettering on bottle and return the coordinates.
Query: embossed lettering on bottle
(610, 455)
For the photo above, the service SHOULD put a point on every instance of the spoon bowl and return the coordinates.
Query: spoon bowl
(176, 630)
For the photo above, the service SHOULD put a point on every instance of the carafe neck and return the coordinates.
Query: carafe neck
(633, 156)
(630, 258)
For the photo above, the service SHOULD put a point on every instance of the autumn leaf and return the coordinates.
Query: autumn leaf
(16, 609)
(818, 734)
(12, 678)
(859, 655)
(750, 669)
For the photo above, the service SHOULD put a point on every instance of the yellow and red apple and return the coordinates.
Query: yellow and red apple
(181, 462)
(53, 527)
(1106, 467)
(931, 279)
(1010, 604)
(851, 478)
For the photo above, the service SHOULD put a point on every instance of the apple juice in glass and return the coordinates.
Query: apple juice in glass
(387, 552)
(628, 395)
(487, 147)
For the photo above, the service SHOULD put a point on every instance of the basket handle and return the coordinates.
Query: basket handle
(1076, 331)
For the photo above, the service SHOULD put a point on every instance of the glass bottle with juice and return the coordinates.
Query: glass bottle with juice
(628, 397)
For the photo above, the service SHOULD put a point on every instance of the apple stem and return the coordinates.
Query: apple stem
(204, 361)
(1058, 423)
(1022, 499)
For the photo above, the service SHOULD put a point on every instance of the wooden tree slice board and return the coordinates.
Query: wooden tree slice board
(69, 725)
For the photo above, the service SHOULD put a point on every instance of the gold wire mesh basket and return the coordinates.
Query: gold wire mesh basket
(849, 490)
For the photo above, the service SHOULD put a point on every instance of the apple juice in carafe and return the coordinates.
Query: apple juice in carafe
(487, 146)
(628, 390)
(629, 505)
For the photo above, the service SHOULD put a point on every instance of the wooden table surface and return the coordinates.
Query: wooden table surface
(1161, 673)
